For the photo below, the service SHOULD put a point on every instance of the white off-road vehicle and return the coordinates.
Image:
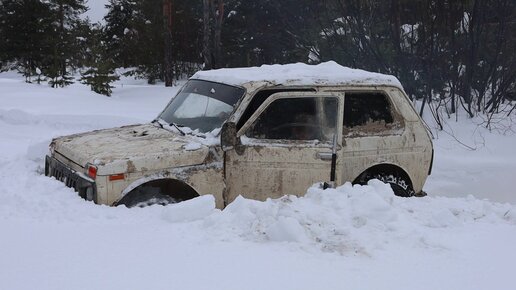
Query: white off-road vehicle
(258, 132)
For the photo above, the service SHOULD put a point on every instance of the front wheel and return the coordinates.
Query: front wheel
(143, 197)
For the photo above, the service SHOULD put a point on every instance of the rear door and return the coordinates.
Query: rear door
(286, 146)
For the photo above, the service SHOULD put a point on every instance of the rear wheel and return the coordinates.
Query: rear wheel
(399, 184)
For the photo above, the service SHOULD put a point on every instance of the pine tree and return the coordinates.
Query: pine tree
(24, 27)
(118, 33)
(101, 72)
(148, 33)
(265, 31)
(100, 77)
(66, 20)
(135, 36)
(3, 23)
(187, 37)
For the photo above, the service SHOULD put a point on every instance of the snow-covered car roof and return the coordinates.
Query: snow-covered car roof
(299, 74)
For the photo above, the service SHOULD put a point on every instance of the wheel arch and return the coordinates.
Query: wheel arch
(383, 168)
(173, 187)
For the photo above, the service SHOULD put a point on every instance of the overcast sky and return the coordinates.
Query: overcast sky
(97, 10)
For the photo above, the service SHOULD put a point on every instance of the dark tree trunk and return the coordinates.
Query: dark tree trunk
(62, 59)
(206, 51)
(219, 18)
(473, 30)
(168, 61)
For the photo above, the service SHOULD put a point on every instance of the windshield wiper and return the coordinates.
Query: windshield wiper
(177, 127)
(158, 122)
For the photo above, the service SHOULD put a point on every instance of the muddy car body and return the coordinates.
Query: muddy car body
(257, 132)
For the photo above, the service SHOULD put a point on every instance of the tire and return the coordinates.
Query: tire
(400, 185)
(148, 196)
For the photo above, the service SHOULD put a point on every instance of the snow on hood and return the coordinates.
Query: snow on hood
(132, 148)
(327, 73)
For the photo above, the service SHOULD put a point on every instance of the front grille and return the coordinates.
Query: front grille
(71, 178)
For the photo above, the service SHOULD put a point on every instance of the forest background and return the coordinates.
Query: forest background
(448, 54)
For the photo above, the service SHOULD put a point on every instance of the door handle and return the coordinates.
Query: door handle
(326, 156)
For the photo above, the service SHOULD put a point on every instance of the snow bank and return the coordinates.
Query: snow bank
(354, 219)
(191, 210)
(348, 220)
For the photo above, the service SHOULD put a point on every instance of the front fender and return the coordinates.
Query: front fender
(203, 179)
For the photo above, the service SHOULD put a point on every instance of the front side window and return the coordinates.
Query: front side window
(297, 119)
(259, 98)
(202, 105)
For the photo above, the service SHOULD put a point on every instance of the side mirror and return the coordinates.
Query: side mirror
(228, 136)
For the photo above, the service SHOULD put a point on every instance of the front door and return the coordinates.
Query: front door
(286, 146)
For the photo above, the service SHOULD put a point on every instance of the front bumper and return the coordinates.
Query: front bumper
(85, 186)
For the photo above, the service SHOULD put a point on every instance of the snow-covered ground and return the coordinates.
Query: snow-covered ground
(473, 160)
(350, 238)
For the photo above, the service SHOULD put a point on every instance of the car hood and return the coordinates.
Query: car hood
(131, 149)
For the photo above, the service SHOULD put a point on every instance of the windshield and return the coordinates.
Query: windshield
(202, 105)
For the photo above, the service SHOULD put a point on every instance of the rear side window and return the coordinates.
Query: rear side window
(368, 113)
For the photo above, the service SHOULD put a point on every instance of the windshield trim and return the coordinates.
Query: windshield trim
(231, 95)
(219, 83)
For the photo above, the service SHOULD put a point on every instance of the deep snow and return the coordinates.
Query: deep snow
(358, 237)
(471, 159)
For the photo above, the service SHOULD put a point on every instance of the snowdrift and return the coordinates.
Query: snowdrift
(348, 220)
